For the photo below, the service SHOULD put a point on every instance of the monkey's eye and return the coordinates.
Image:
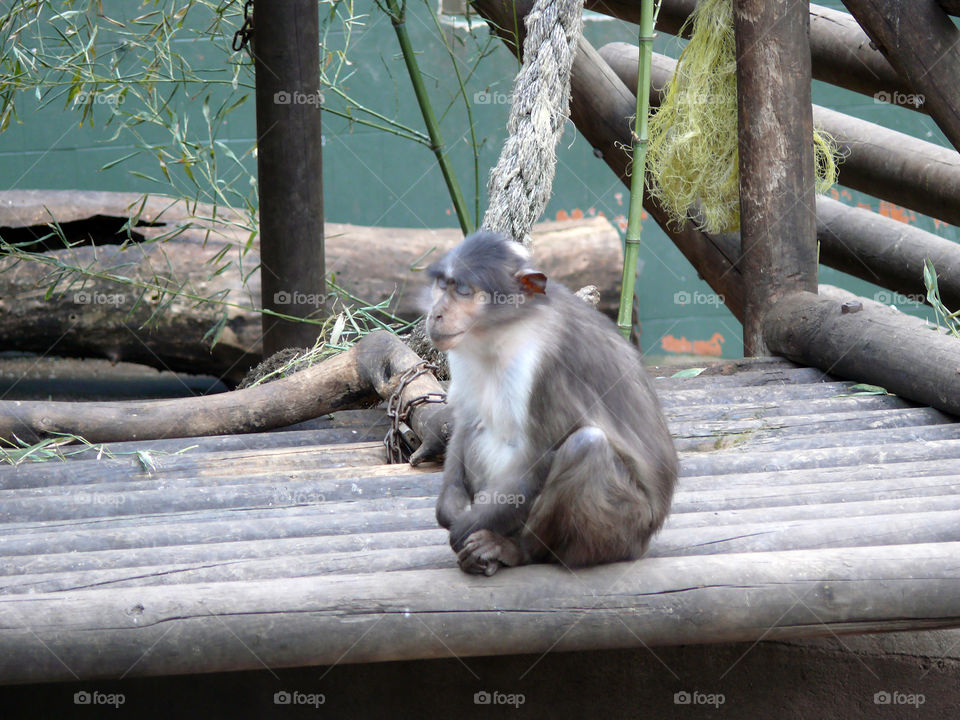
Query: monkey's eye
(464, 289)
(441, 283)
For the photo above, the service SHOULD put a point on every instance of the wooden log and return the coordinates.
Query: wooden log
(891, 165)
(354, 377)
(920, 41)
(112, 320)
(778, 249)
(840, 52)
(601, 107)
(876, 345)
(767, 536)
(720, 598)
(886, 252)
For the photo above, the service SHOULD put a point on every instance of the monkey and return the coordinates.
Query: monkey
(559, 450)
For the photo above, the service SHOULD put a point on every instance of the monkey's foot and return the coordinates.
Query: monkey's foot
(484, 552)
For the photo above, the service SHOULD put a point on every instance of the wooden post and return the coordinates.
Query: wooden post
(286, 55)
(921, 43)
(778, 251)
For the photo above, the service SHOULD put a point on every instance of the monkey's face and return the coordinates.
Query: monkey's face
(455, 312)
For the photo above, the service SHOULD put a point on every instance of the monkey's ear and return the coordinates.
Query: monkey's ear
(532, 282)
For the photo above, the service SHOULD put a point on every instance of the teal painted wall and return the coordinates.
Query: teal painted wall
(375, 178)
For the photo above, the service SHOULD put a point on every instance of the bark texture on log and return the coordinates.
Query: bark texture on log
(840, 52)
(101, 318)
(778, 249)
(921, 42)
(875, 344)
(368, 371)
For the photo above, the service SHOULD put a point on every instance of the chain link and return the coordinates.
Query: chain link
(400, 440)
(241, 38)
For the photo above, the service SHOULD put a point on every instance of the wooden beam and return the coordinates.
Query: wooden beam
(778, 251)
(921, 42)
(139, 631)
(286, 53)
(875, 344)
(886, 252)
(601, 107)
(840, 52)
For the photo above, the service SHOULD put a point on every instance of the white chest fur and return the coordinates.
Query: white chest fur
(490, 390)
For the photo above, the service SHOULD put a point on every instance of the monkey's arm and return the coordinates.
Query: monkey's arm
(454, 497)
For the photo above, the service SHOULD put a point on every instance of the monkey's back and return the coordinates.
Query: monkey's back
(597, 378)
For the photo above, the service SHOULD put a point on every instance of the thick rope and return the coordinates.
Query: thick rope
(521, 183)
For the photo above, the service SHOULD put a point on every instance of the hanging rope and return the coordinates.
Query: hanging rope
(520, 184)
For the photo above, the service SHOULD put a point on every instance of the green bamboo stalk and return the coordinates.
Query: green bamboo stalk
(398, 18)
(634, 225)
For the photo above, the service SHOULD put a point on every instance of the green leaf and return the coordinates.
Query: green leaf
(688, 373)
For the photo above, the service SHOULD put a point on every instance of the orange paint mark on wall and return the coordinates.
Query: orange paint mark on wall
(697, 347)
(846, 194)
(618, 196)
(576, 214)
(865, 206)
(895, 212)
(562, 215)
(621, 221)
(708, 347)
(938, 223)
(834, 194)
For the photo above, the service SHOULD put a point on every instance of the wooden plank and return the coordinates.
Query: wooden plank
(368, 618)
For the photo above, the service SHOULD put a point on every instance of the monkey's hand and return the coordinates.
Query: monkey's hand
(484, 552)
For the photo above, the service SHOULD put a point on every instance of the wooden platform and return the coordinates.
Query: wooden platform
(805, 508)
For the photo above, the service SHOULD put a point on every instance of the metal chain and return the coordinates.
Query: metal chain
(401, 441)
(241, 38)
